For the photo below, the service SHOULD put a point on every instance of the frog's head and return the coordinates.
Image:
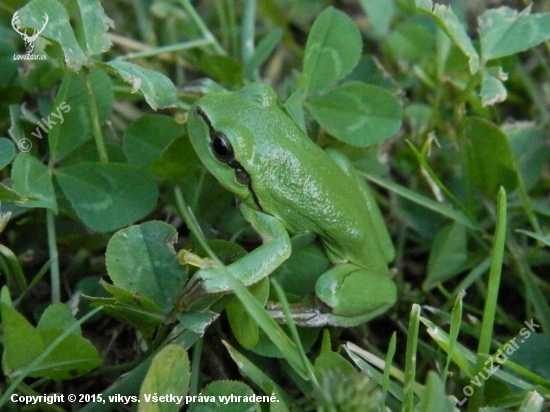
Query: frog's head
(223, 128)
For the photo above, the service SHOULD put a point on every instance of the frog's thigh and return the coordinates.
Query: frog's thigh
(352, 291)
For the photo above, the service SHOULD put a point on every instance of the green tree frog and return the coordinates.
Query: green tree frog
(289, 185)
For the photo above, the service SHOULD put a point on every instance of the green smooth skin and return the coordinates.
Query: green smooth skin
(288, 184)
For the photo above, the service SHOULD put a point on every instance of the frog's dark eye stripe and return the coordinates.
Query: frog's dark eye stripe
(202, 115)
(223, 151)
(221, 147)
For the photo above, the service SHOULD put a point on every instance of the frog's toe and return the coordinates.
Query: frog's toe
(306, 316)
(317, 317)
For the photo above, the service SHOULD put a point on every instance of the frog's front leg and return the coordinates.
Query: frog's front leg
(350, 295)
(251, 268)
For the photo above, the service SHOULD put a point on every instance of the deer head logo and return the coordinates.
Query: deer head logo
(29, 40)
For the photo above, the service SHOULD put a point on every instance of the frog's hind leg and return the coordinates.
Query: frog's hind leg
(355, 294)
(349, 294)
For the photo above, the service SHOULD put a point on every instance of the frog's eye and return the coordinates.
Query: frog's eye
(221, 146)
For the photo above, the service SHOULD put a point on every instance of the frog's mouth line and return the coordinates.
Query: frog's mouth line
(241, 175)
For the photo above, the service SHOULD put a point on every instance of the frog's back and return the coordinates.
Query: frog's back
(310, 192)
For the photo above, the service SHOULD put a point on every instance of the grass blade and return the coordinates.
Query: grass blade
(494, 278)
(410, 359)
(424, 201)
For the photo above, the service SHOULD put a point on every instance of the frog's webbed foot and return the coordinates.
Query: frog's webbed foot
(195, 289)
(306, 316)
(192, 292)
(319, 316)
